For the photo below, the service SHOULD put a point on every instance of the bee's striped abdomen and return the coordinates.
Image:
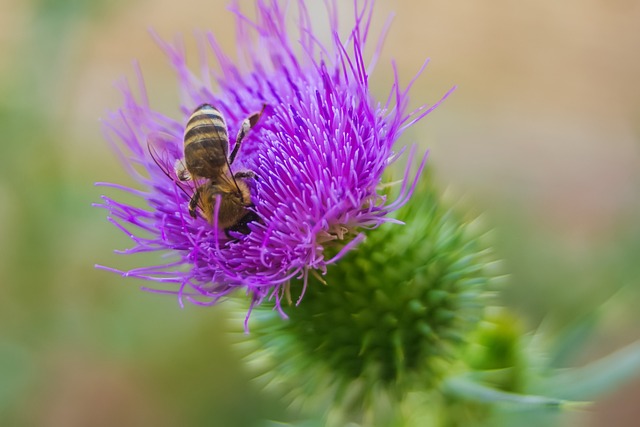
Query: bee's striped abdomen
(206, 122)
(206, 142)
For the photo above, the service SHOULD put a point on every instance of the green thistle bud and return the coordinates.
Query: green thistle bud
(389, 320)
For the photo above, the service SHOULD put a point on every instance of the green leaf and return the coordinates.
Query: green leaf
(599, 377)
(465, 388)
(571, 341)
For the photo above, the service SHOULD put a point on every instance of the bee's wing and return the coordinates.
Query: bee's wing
(165, 152)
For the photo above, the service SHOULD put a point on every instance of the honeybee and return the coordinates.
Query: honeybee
(208, 166)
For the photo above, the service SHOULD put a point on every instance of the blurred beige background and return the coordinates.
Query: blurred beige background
(542, 137)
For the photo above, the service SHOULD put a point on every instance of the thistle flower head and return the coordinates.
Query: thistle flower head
(319, 152)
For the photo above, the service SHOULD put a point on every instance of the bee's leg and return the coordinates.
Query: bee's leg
(181, 171)
(244, 175)
(193, 203)
(242, 226)
(247, 124)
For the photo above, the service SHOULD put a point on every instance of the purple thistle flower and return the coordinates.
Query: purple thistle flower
(319, 152)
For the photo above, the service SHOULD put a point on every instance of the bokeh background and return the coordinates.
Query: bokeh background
(542, 138)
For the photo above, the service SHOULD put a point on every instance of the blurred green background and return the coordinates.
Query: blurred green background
(541, 138)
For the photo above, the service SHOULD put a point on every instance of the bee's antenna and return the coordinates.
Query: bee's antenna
(231, 173)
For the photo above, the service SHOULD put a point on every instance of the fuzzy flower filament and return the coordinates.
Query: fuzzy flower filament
(319, 152)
